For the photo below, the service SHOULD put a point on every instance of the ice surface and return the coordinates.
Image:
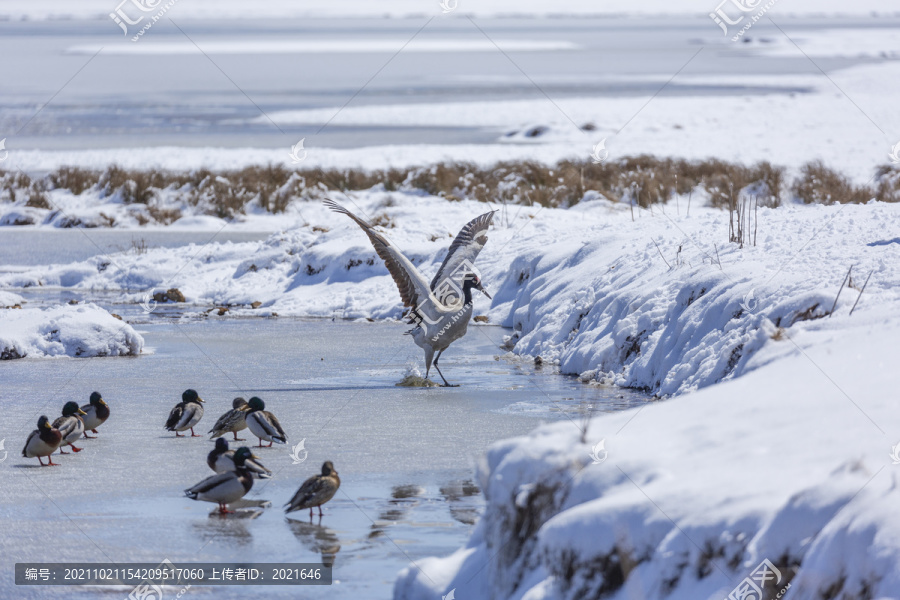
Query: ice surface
(762, 99)
(406, 456)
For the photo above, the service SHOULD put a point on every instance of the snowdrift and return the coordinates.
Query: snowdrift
(67, 330)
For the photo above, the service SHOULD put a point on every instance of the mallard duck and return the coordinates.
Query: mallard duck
(316, 491)
(234, 420)
(263, 424)
(221, 460)
(70, 426)
(186, 413)
(42, 442)
(225, 487)
(96, 412)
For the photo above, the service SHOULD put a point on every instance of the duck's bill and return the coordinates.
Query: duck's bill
(199, 399)
(81, 412)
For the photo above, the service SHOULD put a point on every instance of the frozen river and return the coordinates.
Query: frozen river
(406, 456)
(164, 92)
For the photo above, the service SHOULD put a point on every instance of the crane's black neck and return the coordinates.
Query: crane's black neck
(467, 291)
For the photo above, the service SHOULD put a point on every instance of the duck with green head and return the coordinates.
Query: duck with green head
(227, 487)
(316, 491)
(264, 424)
(70, 426)
(186, 413)
(96, 412)
(221, 460)
(43, 441)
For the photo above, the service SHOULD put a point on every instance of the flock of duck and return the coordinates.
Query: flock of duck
(235, 469)
(439, 309)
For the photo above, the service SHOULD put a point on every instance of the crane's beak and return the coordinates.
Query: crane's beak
(480, 288)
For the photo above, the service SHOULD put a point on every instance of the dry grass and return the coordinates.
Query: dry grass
(818, 184)
(638, 180)
(73, 179)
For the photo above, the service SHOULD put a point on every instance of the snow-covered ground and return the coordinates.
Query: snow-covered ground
(585, 286)
(82, 331)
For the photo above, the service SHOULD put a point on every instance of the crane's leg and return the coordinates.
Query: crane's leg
(429, 354)
(437, 358)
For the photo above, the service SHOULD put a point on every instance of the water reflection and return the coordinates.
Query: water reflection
(230, 527)
(460, 495)
(317, 538)
(403, 499)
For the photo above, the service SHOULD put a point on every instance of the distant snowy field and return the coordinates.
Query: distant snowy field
(784, 129)
(57, 9)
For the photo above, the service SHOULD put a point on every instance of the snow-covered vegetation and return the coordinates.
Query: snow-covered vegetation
(116, 197)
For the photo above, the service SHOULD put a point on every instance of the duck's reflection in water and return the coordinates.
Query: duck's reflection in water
(403, 499)
(460, 496)
(317, 538)
(227, 527)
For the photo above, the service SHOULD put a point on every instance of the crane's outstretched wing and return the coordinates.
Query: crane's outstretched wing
(413, 286)
(464, 249)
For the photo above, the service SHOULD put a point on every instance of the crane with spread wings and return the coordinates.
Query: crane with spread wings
(441, 309)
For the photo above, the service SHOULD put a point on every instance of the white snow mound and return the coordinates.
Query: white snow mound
(66, 330)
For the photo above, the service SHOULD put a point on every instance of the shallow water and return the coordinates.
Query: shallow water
(406, 456)
(27, 247)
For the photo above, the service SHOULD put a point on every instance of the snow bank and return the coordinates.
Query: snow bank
(790, 464)
(9, 300)
(67, 330)
(662, 302)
